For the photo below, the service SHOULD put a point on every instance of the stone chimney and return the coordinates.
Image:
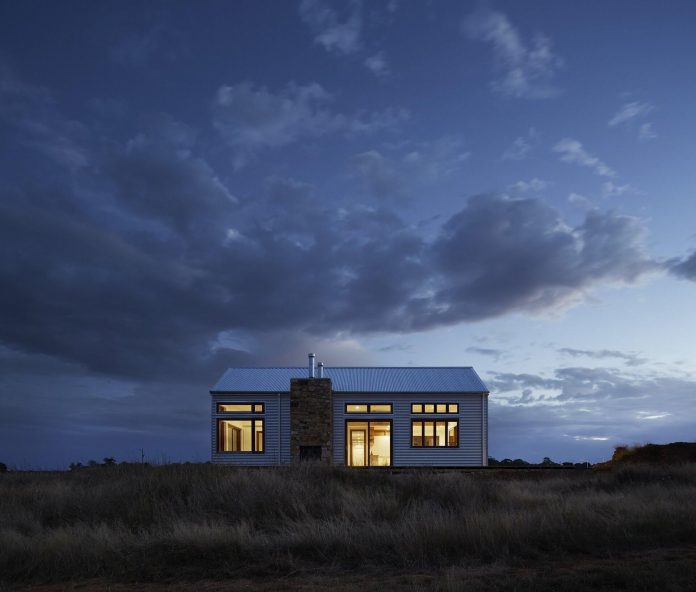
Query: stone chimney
(311, 419)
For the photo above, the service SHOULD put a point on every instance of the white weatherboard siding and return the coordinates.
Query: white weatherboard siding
(277, 443)
(472, 428)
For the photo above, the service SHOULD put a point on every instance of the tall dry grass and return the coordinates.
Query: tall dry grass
(204, 521)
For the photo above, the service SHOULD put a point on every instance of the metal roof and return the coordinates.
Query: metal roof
(355, 380)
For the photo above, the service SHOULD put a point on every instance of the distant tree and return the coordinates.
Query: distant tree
(92, 463)
(518, 462)
(3, 468)
(493, 462)
(109, 461)
(547, 462)
(74, 466)
(568, 464)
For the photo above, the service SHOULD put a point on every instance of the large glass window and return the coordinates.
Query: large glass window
(440, 433)
(240, 407)
(368, 407)
(449, 408)
(240, 435)
(368, 443)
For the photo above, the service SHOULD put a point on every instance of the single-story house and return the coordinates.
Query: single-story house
(360, 417)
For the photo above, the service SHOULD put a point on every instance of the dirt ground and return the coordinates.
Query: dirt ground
(666, 570)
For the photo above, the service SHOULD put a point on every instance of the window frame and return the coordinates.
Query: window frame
(434, 406)
(253, 421)
(252, 404)
(434, 421)
(369, 409)
(367, 439)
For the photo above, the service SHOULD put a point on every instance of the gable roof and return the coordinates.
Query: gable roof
(355, 380)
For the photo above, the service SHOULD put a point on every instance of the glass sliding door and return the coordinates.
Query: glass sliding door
(368, 443)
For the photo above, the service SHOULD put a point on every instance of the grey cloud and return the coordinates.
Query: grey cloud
(403, 168)
(629, 112)
(496, 354)
(134, 267)
(521, 257)
(533, 185)
(335, 32)
(251, 119)
(378, 65)
(31, 112)
(577, 406)
(631, 359)
(684, 268)
(378, 172)
(573, 152)
(528, 69)
(521, 146)
(140, 48)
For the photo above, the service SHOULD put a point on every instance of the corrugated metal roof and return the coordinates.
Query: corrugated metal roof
(356, 380)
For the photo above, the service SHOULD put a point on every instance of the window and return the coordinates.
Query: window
(437, 433)
(368, 407)
(240, 435)
(368, 443)
(240, 407)
(449, 408)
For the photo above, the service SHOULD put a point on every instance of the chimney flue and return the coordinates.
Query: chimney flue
(321, 369)
(311, 365)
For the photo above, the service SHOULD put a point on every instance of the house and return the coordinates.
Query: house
(360, 417)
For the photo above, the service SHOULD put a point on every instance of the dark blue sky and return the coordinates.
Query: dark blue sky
(187, 186)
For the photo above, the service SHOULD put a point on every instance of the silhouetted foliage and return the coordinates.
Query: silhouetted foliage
(3, 468)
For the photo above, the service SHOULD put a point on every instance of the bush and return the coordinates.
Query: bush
(3, 468)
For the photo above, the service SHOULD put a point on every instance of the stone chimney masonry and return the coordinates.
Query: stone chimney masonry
(311, 419)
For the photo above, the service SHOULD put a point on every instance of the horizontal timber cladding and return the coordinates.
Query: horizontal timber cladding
(277, 442)
(473, 428)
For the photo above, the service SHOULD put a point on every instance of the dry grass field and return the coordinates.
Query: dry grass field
(203, 527)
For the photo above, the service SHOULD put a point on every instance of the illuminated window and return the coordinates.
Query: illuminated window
(368, 407)
(240, 435)
(449, 408)
(368, 443)
(437, 433)
(240, 408)
(356, 408)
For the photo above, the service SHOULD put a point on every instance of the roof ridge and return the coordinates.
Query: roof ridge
(353, 367)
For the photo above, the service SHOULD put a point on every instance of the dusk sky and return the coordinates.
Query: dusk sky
(188, 186)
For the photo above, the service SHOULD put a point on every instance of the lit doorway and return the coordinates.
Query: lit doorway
(368, 443)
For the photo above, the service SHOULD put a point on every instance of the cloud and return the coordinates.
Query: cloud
(402, 169)
(647, 132)
(521, 146)
(31, 112)
(528, 69)
(496, 354)
(340, 34)
(377, 64)
(579, 404)
(251, 119)
(572, 151)
(134, 267)
(533, 185)
(630, 113)
(631, 359)
(611, 189)
(378, 172)
(140, 48)
(580, 201)
(684, 268)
